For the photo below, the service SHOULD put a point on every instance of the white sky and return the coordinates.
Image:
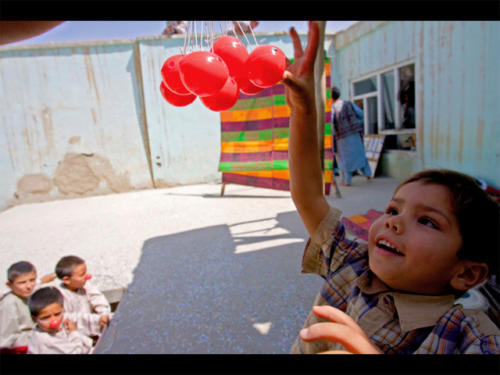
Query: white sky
(82, 31)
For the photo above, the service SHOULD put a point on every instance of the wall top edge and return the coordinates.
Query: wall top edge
(94, 43)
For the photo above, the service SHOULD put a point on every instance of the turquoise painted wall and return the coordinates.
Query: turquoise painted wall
(457, 85)
(96, 110)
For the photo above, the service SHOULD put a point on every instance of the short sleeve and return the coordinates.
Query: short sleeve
(318, 246)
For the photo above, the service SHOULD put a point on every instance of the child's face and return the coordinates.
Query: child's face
(77, 279)
(47, 315)
(23, 285)
(419, 222)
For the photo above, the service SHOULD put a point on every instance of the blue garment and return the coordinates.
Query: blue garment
(351, 153)
(351, 157)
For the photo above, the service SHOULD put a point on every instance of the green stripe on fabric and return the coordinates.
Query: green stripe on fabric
(252, 135)
(328, 164)
(244, 166)
(279, 100)
(253, 103)
(280, 165)
(277, 165)
(281, 133)
(233, 136)
(328, 94)
(328, 128)
(255, 135)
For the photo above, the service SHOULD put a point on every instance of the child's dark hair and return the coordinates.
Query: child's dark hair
(67, 264)
(19, 268)
(44, 297)
(335, 93)
(477, 214)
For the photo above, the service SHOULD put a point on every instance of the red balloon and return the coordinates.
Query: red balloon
(203, 73)
(247, 87)
(234, 54)
(176, 99)
(54, 323)
(224, 99)
(266, 65)
(171, 75)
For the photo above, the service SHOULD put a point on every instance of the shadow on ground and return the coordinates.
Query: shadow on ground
(220, 289)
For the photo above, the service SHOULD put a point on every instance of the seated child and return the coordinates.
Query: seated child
(83, 302)
(15, 319)
(53, 334)
(396, 294)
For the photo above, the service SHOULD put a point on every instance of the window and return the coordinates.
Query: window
(388, 101)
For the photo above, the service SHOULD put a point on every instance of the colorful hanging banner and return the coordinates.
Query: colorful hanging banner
(254, 139)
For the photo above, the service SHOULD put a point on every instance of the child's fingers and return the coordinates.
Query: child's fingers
(312, 45)
(335, 315)
(292, 82)
(353, 341)
(297, 46)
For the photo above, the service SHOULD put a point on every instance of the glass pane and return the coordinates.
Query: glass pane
(407, 96)
(388, 100)
(365, 86)
(371, 104)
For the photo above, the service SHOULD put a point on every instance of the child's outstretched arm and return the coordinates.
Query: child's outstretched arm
(306, 182)
(343, 329)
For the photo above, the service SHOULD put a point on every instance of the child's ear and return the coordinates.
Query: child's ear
(65, 280)
(9, 284)
(469, 275)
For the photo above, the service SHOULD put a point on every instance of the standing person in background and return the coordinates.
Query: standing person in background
(175, 27)
(348, 133)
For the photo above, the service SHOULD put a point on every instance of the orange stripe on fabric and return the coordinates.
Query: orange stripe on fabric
(281, 111)
(246, 147)
(285, 175)
(268, 174)
(328, 142)
(280, 144)
(248, 114)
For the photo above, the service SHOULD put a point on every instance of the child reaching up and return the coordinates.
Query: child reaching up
(53, 334)
(83, 302)
(437, 238)
(15, 319)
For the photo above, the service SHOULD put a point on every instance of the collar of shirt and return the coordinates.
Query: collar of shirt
(414, 310)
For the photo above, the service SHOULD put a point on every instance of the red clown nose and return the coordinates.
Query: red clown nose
(54, 323)
(88, 277)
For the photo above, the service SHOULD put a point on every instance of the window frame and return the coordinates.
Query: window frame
(378, 94)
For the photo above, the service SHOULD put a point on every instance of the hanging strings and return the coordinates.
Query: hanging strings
(207, 35)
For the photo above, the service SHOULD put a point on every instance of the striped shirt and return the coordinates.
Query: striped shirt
(397, 322)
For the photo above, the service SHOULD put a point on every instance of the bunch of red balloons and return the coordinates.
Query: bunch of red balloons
(219, 76)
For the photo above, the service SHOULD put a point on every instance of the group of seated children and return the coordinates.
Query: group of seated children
(63, 319)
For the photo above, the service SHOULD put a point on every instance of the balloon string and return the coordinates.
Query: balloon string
(254, 38)
(243, 32)
(187, 37)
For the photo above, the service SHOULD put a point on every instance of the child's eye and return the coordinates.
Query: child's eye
(428, 222)
(391, 211)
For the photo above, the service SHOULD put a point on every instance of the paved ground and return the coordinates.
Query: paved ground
(204, 273)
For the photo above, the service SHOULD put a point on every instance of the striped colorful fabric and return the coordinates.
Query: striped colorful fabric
(254, 139)
(359, 225)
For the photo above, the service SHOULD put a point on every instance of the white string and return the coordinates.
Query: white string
(187, 37)
(243, 32)
(254, 38)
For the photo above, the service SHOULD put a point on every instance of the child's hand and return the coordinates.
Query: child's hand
(299, 76)
(343, 330)
(69, 325)
(103, 321)
(47, 278)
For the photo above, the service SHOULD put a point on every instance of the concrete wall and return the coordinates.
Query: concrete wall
(87, 118)
(457, 91)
